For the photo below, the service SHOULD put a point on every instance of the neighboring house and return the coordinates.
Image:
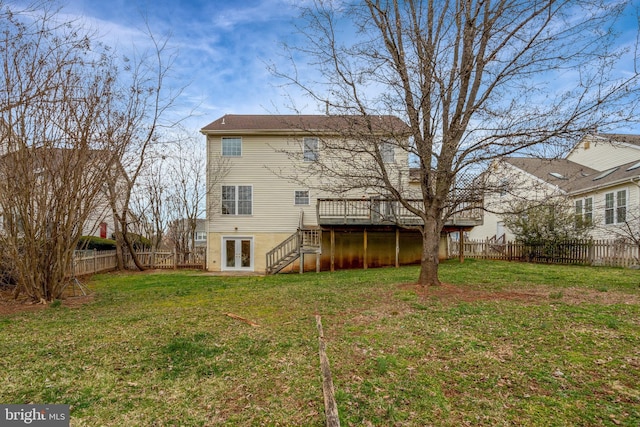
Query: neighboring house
(600, 176)
(99, 221)
(180, 238)
(201, 233)
(262, 218)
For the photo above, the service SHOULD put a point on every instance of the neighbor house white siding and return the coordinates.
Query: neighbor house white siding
(519, 187)
(602, 154)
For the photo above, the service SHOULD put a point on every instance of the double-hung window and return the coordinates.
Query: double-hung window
(301, 197)
(615, 207)
(621, 206)
(310, 149)
(584, 212)
(231, 147)
(387, 152)
(237, 200)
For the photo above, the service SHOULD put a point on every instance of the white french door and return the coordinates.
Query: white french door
(237, 253)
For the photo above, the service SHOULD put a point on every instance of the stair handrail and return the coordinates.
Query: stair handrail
(283, 250)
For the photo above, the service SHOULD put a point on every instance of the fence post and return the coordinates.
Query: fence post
(95, 260)
(485, 251)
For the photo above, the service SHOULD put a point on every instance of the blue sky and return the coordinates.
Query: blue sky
(222, 48)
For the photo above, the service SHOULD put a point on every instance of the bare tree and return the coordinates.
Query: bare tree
(138, 120)
(187, 180)
(76, 129)
(474, 80)
(149, 205)
(55, 84)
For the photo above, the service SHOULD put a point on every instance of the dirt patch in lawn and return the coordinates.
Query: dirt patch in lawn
(539, 294)
(9, 305)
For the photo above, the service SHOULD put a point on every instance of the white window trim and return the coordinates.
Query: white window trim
(223, 264)
(389, 149)
(316, 152)
(236, 200)
(302, 204)
(222, 146)
(615, 207)
(584, 213)
(618, 206)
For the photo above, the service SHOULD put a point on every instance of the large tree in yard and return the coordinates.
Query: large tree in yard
(474, 80)
(72, 118)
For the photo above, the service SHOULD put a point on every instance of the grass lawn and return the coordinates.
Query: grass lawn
(498, 344)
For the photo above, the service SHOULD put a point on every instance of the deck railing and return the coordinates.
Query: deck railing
(377, 211)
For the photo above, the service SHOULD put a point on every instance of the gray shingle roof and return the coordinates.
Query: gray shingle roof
(573, 177)
(620, 137)
(307, 123)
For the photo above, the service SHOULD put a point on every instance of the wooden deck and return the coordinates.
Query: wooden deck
(381, 212)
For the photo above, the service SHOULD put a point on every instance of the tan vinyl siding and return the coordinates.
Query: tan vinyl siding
(273, 210)
(265, 165)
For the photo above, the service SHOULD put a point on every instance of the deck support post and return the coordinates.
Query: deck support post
(301, 262)
(365, 250)
(397, 247)
(333, 249)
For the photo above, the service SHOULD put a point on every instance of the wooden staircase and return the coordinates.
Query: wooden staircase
(303, 241)
(497, 244)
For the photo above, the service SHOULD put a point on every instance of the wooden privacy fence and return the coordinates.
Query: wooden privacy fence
(613, 253)
(90, 262)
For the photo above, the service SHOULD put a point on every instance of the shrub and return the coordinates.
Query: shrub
(97, 243)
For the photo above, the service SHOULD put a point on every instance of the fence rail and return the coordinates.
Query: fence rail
(612, 253)
(91, 262)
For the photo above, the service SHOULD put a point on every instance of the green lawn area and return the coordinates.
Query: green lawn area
(498, 344)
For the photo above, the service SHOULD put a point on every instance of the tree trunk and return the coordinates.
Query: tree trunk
(129, 245)
(430, 255)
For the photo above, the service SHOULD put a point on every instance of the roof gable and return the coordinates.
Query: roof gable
(628, 140)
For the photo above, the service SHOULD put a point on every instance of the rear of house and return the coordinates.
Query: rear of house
(269, 209)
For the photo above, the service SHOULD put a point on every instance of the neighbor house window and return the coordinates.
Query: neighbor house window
(237, 200)
(232, 147)
(584, 212)
(608, 208)
(503, 187)
(310, 149)
(588, 210)
(621, 206)
(615, 207)
(201, 235)
(387, 152)
(301, 197)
